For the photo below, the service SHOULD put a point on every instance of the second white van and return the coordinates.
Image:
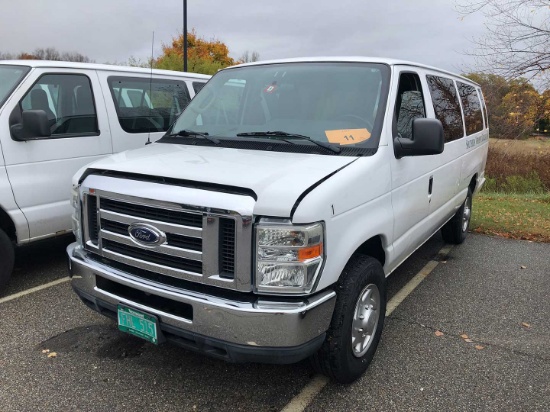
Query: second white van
(55, 117)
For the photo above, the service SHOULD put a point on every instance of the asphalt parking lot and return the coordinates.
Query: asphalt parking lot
(494, 291)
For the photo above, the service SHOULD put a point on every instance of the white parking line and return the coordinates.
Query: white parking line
(409, 287)
(301, 401)
(35, 289)
(306, 395)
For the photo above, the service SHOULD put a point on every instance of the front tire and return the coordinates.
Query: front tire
(456, 229)
(357, 321)
(7, 257)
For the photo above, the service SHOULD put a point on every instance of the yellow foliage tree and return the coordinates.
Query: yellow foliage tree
(203, 56)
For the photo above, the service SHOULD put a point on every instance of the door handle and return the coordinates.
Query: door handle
(430, 185)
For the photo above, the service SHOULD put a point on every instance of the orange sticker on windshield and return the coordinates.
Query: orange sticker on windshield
(347, 136)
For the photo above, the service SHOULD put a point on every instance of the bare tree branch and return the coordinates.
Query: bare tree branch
(517, 39)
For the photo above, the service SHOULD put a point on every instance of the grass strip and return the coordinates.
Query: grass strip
(515, 216)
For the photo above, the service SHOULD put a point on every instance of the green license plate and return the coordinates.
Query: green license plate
(138, 323)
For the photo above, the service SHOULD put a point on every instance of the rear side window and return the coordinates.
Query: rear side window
(472, 108)
(197, 86)
(147, 105)
(446, 106)
(68, 102)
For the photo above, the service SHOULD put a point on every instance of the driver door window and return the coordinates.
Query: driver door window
(68, 102)
(409, 104)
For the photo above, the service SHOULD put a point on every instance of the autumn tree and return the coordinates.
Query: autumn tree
(517, 41)
(543, 114)
(203, 56)
(515, 107)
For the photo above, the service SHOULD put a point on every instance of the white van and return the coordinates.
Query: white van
(262, 227)
(55, 117)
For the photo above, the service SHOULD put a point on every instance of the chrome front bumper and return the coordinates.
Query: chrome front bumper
(246, 328)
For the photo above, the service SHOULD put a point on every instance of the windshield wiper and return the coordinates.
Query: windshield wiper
(277, 133)
(189, 133)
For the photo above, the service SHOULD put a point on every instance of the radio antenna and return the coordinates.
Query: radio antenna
(151, 89)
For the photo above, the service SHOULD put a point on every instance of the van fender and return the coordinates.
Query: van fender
(355, 205)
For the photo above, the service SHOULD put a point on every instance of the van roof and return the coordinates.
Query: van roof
(357, 59)
(105, 67)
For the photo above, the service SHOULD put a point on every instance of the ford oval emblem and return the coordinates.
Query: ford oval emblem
(146, 235)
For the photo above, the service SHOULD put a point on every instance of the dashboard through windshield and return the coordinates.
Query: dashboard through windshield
(336, 104)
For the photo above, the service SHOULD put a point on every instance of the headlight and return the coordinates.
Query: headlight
(75, 218)
(288, 257)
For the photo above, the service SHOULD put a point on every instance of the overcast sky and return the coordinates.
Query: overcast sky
(426, 31)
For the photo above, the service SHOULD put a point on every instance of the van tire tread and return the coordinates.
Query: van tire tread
(7, 258)
(330, 360)
(452, 230)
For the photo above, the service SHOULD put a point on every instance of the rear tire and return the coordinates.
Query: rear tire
(7, 257)
(357, 321)
(456, 229)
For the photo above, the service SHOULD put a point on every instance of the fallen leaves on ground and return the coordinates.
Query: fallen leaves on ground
(464, 336)
(438, 333)
(525, 325)
(479, 347)
(52, 355)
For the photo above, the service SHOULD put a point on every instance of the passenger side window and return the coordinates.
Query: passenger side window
(409, 104)
(68, 102)
(446, 106)
(147, 105)
(472, 108)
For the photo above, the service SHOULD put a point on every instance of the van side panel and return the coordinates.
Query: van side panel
(355, 204)
(8, 205)
(457, 167)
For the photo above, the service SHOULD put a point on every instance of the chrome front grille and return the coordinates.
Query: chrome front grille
(200, 244)
(177, 217)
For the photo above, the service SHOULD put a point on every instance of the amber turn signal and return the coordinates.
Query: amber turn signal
(310, 252)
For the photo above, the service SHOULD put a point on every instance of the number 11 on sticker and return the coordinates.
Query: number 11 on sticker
(347, 136)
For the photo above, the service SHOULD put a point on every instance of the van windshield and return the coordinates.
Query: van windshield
(336, 104)
(10, 76)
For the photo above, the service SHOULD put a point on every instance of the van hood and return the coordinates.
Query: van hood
(278, 179)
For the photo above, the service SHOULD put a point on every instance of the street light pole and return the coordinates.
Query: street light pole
(184, 35)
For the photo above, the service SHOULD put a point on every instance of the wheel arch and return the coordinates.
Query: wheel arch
(473, 183)
(7, 225)
(373, 247)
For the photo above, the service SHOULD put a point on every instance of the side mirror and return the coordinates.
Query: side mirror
(34, 124)
(427, 139)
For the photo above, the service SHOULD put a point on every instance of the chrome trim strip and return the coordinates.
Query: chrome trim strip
(164, 249)
(164, 226)
(153, 267)
(146, 202)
